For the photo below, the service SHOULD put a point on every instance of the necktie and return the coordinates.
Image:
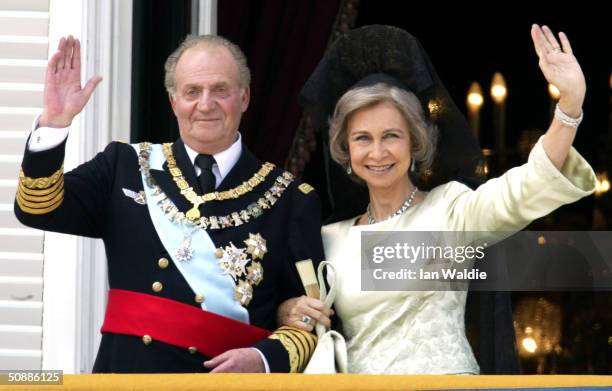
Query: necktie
(206, 178)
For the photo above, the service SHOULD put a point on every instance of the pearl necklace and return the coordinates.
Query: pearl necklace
(402, 209)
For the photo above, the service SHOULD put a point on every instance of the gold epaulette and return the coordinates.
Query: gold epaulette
(40, 196)
(299, 345)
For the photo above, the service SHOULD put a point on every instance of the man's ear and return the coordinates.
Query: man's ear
(245, 98)
(172, 102)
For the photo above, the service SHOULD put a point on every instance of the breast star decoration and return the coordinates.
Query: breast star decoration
(243, 292)
(234, 261)
(256, 246)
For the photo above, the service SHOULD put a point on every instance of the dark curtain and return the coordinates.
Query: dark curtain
(159, 27)
(283, 41)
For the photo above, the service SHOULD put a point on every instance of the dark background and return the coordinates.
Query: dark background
(469, 43)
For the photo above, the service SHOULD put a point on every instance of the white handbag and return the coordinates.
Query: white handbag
(330, 354)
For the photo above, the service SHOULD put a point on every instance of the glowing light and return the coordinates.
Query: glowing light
(553, 91)
(602, 183)
(529, 344)
(483, 168)
(498, 88)
(541, 242)
(474, 98)
(537, 325)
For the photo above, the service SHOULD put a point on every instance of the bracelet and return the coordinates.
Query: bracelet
(566, 119)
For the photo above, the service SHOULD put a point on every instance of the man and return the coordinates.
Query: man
(201, 238)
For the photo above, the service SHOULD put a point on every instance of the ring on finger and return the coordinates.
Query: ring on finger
(556, 49)
(306, 319)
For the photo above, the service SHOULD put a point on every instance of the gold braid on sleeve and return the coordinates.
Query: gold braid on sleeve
(40, 196)
(299, 345)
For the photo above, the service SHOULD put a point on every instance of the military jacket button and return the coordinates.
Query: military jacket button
(163, 263)
(157, 286)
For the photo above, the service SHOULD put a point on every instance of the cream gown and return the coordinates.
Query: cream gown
(423, 332)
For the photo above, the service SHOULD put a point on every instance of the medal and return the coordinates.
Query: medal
(233, 262)
(184, 252)
(255, 273)
(243, 292)
(256, 246)
(193, 214)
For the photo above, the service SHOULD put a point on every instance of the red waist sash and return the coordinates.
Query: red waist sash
(176, 323)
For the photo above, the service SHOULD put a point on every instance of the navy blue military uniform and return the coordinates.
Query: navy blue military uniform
(90, 201)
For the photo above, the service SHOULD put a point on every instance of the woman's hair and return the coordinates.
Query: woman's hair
(423, 134)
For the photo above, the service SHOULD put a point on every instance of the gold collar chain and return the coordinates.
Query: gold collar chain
(234, 219)
(196, 200)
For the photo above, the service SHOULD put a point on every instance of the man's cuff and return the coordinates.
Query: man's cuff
(288, 349)
(264, 360)
(43, 139)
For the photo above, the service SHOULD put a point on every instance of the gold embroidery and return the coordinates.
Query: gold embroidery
(308, 341)
(43, 192)
(40, 196)
(291, 350)
(305, 188)
(39, 205)
(41, 183)
(26, 194)
(39, 211)
(312, 340)
(299, 345)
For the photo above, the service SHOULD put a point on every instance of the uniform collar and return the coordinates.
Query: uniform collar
(225, 160)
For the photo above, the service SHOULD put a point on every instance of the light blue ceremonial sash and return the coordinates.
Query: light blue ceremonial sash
(202, 272)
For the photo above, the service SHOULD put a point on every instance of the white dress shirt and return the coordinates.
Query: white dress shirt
(224, 160)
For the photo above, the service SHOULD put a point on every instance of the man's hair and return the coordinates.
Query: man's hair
(206, 41)
(423, 135)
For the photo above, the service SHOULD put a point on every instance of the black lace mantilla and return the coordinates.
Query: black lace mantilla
(391, 51)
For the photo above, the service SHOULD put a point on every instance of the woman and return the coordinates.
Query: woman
(381, 135)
